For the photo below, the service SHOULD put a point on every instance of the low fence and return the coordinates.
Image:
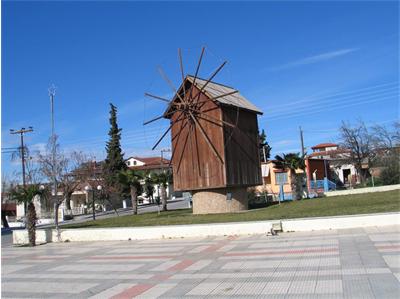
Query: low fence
(212, 229)
(363, 190)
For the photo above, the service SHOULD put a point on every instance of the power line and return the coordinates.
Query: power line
(22, 131)
(330, 95)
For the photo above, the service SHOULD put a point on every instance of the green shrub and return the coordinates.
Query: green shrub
(390, 175)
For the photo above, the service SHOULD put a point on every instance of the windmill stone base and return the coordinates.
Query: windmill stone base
(224, 200)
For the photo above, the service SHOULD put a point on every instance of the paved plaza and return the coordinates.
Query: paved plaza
(352, 263)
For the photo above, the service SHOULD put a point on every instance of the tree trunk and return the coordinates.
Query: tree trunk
(31, 224)
(134, 199)
(293, 185)
(68, 202)
(56, 215)
(163, 198)
(4, 219)
(67, 199)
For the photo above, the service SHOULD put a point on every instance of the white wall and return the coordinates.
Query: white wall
(132, 160)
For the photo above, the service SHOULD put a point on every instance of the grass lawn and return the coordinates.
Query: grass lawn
(330, 206)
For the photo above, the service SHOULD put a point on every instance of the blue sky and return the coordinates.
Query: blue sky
(309, 64)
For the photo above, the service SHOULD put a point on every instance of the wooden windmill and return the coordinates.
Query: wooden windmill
(215, 146)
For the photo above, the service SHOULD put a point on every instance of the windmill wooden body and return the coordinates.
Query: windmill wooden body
(215, 146)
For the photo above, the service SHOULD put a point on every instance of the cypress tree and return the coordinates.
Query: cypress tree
(114, 162)
(265, 148)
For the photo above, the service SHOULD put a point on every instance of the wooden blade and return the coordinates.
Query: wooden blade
(197, 150)
(178, 135)
(182, 72)
(162, 137)
(197, 72)
(156, 97)
(171, 85)
(206, 138)
(215, 121)
(182, 152)
(209, 79)
(152, 120)
(166, 132)
(159, 117)
(213, 75)
(218, 97)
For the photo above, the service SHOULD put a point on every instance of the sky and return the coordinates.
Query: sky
(309, 64)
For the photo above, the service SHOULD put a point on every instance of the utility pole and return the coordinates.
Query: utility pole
(303, 157)
(302, 142)
(52, 94)
(162, 156)
(22, 132)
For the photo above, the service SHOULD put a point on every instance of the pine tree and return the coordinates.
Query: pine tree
(265, 148)
(114, 162)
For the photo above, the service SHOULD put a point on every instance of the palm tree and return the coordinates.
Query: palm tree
(163, 179)
(293, 162)
(26, 195)
(131, 178)
(149, 187)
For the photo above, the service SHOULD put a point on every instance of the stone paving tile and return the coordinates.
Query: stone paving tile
(112, 291)
(329, 286)
(352, 263)
(384, 285)
(45, 287)
(393, 261)
(158, 290)
(302, 287)
(204, 289)
(357, 287)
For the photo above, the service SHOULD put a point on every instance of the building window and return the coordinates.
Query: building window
(134, 162)
(281, 178)
(129, 163)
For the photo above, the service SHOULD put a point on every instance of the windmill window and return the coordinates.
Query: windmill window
(281, 178)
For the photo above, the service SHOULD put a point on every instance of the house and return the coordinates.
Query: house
(276, 180)
(148, 163)
(151, 164)
(340, 169)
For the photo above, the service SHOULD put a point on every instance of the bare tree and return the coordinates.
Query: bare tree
(384, 138)
(387, 142)
(92, 173)
(360, 143)
(60, 168)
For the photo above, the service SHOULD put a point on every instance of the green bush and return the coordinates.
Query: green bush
(390, 175)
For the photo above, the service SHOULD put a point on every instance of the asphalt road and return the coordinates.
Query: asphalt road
(171, 205)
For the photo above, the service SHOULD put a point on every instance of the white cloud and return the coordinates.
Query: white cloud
(314, 59)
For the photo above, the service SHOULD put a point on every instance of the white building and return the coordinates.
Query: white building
(338, 161)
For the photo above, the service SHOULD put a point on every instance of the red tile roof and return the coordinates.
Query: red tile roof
(331, 153)
(323, 145)
(152, 160)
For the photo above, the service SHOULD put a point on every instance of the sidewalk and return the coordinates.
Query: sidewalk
(350, 263)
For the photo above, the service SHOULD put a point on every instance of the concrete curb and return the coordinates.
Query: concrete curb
(363, 190)
(213, 229)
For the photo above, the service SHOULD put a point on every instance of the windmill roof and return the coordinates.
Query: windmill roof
(214, 89)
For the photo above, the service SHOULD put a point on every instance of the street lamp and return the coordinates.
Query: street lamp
(99, 188)
(88, 189)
